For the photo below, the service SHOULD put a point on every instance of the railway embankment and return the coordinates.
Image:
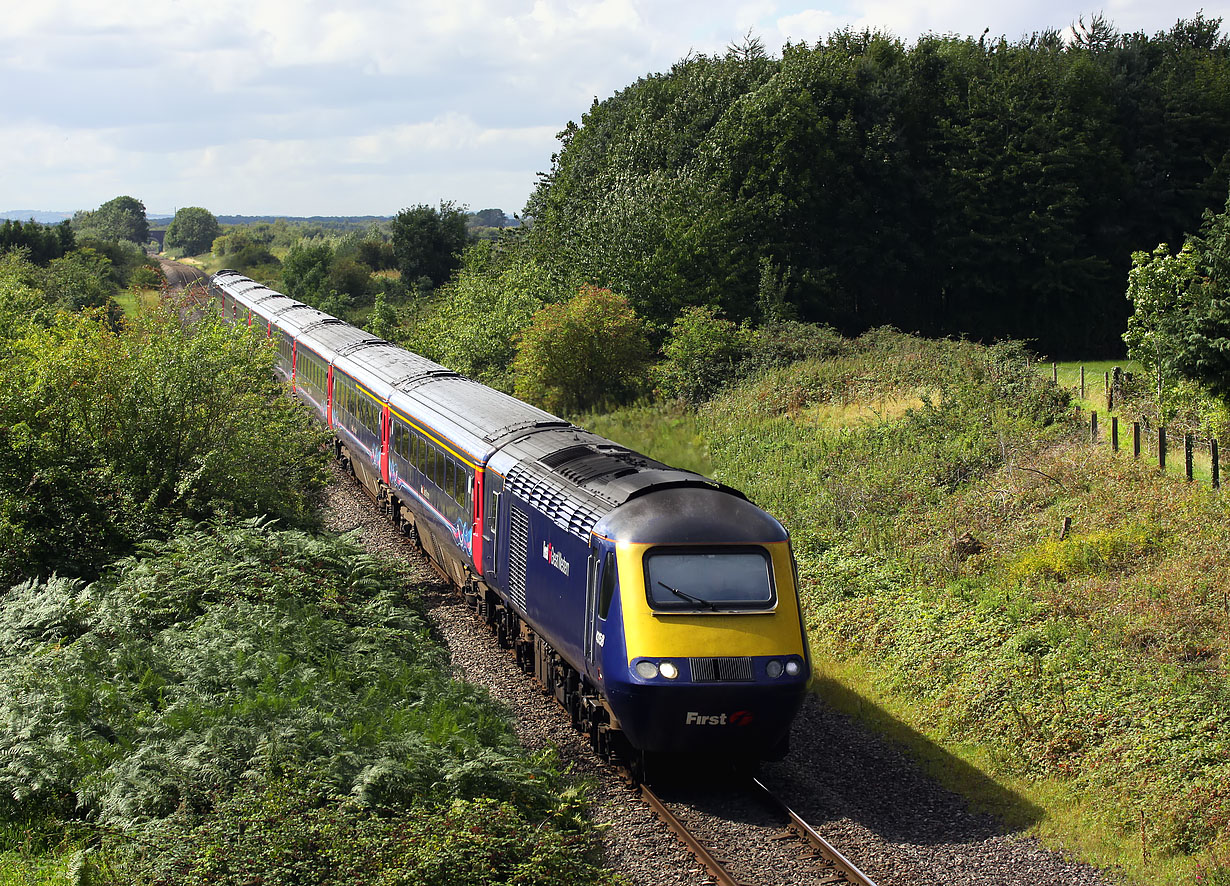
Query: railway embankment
(1042, 621)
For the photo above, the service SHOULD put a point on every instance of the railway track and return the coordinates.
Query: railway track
(833, 867)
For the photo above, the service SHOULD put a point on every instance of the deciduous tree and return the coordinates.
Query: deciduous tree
(1163, 290)
(428, 241)
(193, 230)
(122, 218)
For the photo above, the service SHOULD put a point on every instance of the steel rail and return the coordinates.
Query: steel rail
(715, 868)
(826, 849)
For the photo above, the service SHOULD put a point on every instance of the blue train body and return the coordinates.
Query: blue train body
(660, 607)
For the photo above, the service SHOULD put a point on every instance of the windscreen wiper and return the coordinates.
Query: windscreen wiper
(686, 596)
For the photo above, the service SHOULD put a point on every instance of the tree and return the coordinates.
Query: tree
(193, 230)
(122, 218)
(1162, 288)
(382, 321)
(428, 241)
(305, 272)
(585, 352)
(1204, 347)
(491, 218)
(82, 279)
(42, 243)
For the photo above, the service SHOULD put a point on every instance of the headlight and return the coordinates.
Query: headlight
(793, 668)
(668, 669)
(646, 669)
(773, 669)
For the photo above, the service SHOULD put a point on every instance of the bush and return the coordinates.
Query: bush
(475, 321)
(109, 435)
(703, 353)
(588, 351)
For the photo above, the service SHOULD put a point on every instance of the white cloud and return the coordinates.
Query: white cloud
(328, 106)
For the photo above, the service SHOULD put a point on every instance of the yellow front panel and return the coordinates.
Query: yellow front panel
(694, 635)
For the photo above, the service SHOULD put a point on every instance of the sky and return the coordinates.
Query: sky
(366, 107)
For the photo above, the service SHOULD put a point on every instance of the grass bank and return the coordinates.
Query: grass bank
(1082, 668)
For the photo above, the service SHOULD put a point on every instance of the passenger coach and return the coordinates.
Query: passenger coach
(659, 606)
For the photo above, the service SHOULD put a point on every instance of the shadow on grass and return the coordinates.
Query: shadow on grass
(852, 759)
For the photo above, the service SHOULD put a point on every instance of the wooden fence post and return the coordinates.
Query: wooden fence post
(1055, 372)
(1082, 382)
(1135, 439)
(1093, 426)
(1216, 464)
(1189, 440)
(1161, 447)
(1114, 433)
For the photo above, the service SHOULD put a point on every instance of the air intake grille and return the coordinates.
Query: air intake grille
(715, 670)
(518, 554)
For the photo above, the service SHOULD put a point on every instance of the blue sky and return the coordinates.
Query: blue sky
(364, 107)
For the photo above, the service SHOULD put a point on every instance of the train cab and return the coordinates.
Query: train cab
(696, 633)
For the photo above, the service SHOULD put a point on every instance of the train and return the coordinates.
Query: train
(660, 607)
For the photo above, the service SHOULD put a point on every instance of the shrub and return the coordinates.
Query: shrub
(110, 435)
(588, 351)
(702, 354)
(477, 317)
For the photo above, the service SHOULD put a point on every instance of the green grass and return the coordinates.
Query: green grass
(134, 302)
(1069, 378)
(669, 433)
(1128, 412)
(1077, 685)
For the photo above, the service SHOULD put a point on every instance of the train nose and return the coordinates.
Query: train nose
(747, 720)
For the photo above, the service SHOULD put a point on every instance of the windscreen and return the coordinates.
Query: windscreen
(698, 579)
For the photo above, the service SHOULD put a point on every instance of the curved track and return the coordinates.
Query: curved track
(179, 275)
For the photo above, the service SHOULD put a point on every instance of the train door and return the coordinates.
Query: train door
(602, 579)
(493, 489)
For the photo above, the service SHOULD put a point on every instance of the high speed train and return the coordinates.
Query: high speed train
(660, 607)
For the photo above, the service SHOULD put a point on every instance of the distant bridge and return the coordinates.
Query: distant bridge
(159, 237)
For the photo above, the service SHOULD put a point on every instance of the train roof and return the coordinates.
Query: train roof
(574, 476)
(578, 477)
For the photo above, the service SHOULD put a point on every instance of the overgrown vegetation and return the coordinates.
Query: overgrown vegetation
(926, 486)
(246, 704)
(109, 435)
